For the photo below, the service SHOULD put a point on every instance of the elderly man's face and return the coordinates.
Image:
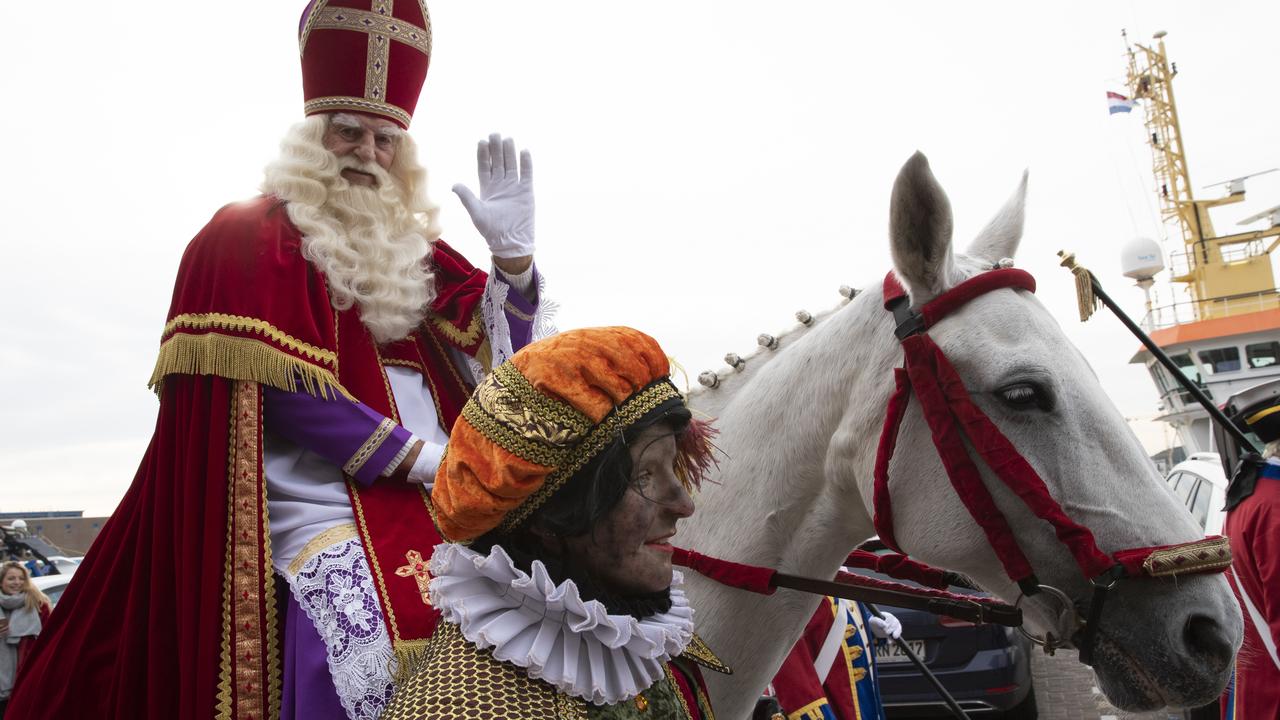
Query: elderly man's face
(367, 139)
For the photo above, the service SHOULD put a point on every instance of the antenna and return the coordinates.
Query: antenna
(1271, 214)
(1235, 186)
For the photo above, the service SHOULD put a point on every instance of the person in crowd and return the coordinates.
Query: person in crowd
(1253, 525)
(320, 343)
(830, 674)
(560, 495)
(35, 566)
(23, 612)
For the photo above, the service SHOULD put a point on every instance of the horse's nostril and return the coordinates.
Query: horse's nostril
(1207, 639)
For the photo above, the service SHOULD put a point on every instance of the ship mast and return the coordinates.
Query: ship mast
(1224, 275)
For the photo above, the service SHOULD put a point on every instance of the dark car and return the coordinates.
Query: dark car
(986, 668)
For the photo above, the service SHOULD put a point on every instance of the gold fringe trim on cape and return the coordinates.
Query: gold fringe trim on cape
(241, 323)
(239, 358)
(410, 659)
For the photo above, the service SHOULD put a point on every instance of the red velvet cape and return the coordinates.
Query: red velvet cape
(173, 614)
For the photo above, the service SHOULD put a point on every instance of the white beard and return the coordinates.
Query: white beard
(373, 252)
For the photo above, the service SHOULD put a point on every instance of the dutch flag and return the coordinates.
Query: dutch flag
(1117, 103)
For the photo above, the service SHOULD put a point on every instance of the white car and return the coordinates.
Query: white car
(65, 564)
(1201, 486)
(53, 585)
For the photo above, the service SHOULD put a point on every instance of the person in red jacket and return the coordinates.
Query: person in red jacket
(1253, 525)
(830, 674)
(23, 612)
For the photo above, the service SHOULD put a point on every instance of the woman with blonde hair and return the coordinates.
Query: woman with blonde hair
(23, 612)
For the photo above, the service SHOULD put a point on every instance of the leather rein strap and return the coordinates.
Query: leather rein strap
(849, 586)
(953, 417)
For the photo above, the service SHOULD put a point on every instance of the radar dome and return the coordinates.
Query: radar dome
(1141, 259)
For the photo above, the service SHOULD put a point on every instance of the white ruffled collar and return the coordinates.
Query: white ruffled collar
(550, 631)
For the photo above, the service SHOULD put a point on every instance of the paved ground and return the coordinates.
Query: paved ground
(1066, 690)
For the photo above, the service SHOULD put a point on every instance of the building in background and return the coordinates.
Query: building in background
(68, 532)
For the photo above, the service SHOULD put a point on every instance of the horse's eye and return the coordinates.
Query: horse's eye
(1025, 396)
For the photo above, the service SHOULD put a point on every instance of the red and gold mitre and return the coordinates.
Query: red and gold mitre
(366, 56)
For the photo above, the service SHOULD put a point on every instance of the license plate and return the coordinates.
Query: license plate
(889, 652)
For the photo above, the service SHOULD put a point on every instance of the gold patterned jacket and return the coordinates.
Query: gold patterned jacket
(459, 681)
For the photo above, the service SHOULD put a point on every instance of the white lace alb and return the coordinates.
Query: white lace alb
(544, 325)
(550, 631)
(493, 315)
(497, 329)
(335, 588)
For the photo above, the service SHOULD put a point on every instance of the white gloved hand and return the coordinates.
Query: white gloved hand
(424, 467)
(504, 211)
(887, 627)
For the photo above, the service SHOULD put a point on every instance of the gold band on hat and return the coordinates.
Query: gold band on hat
(1261, 414)
(610, 428)
(355, 104)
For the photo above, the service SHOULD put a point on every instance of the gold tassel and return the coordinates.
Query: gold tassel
(240, 358)
(410, 659)
(1086, 302)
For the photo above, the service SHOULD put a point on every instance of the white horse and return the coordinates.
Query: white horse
(799, 427)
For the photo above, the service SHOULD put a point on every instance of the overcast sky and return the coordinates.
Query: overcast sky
(704, 169)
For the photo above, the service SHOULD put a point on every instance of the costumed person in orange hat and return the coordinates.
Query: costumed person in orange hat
(1253, 525)
(560, 494)
(269, 559)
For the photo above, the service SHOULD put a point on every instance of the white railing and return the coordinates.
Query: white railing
(1182, 262)
(1193, 311)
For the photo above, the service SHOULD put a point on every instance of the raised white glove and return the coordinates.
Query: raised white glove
(887, 627)
(504, 211)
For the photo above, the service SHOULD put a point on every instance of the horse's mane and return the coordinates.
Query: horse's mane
(719, 384)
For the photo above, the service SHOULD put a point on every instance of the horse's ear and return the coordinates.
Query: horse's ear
(1000, 238)
(920, 230)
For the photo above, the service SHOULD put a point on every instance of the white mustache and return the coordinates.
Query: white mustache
(369, 168)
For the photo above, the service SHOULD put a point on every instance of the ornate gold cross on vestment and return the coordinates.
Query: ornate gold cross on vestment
(417, 569)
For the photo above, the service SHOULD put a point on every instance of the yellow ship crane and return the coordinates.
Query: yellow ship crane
(1225, 275)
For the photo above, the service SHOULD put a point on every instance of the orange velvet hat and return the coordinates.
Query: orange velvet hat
(367, 56)
(539, 418)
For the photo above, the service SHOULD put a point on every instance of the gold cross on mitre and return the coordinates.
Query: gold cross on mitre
(417, 569)
(381, 27)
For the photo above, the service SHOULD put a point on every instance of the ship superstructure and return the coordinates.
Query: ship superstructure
(1222, 324)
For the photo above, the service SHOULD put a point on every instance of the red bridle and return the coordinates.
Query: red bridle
(953, 417)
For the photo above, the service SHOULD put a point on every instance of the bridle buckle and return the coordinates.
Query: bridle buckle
(908, 322)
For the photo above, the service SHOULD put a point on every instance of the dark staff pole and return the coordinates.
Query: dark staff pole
(952, 705)
(1068, 261)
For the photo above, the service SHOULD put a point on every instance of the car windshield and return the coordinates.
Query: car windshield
(1200, 506)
